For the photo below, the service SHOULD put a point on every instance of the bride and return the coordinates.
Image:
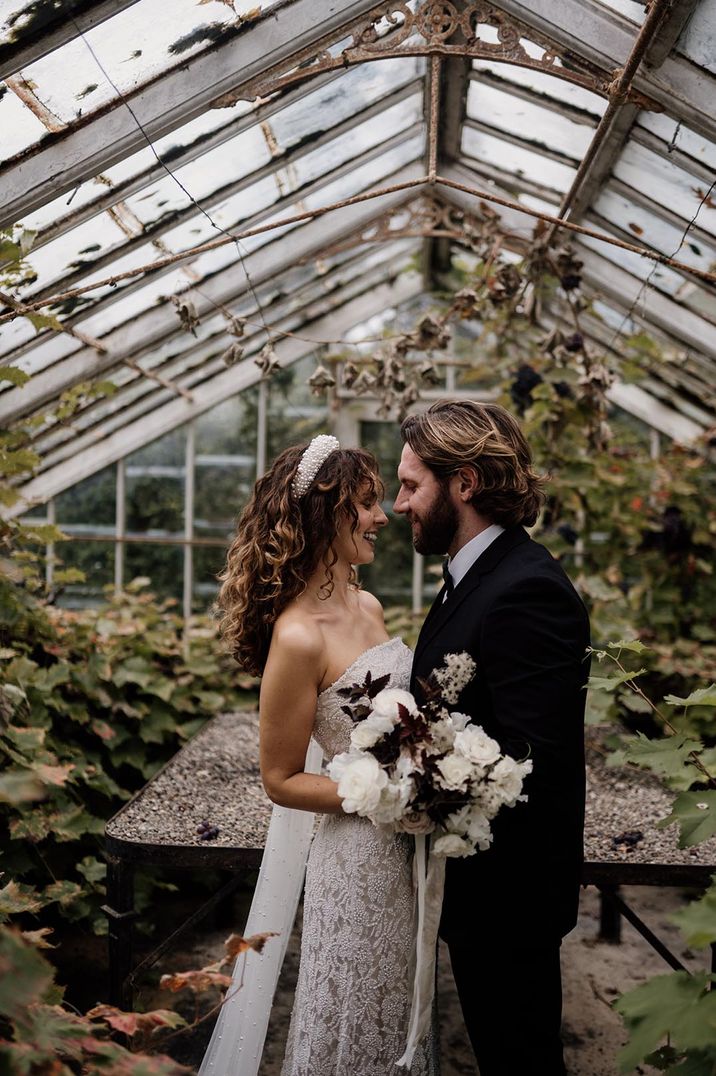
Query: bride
(294, 614)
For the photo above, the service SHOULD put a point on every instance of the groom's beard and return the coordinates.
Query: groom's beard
(435, 530)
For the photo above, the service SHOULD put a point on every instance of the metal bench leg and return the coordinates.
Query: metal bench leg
(121, 915)
(610, 920)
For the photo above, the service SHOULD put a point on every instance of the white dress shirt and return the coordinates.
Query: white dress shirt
(460, 564)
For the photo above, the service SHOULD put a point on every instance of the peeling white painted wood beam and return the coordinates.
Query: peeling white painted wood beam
(588, 29)
(85, 16)
(225, 385)
(152, 325)
(168, 102)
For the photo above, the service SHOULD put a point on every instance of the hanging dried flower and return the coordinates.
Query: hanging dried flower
(364, 382)
(504, 285)
(431, 333)
(349, 375)
(267, 360)
(320, 381)
(428, 373)
(187, 314)
(233, 354)
(236, 327)
(466, 303)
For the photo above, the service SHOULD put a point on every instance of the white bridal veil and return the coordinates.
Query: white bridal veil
(238, 1038)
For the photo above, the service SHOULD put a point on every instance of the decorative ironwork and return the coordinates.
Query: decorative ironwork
(442, 28)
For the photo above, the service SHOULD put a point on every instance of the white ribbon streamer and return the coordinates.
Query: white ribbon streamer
(238, 1038)
(430, 886)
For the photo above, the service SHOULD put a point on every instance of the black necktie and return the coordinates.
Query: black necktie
(449, 585)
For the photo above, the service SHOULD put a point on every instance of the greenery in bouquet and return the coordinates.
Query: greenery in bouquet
(425, 769)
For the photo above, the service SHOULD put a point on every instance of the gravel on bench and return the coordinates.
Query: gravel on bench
(623, 806)
(215, 778)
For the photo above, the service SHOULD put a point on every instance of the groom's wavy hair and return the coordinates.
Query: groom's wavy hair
(455, 433)
(281, 541)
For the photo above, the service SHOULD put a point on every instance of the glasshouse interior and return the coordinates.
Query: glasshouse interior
(227, 229)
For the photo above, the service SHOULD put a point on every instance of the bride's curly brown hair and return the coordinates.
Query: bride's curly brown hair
(281, 541)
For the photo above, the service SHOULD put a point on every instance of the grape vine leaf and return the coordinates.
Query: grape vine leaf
(703, 696)
(667, 756)
(678, 1004)
(609, 683)
(698, 919)
(696, 814)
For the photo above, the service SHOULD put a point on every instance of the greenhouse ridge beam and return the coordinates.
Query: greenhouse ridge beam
(228, 383)
(82, 16)
(158, 322)
(170, 101)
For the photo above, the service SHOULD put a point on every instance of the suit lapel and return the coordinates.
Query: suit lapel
(441, 612)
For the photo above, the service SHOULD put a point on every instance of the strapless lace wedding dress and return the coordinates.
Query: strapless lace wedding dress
(352, 1004)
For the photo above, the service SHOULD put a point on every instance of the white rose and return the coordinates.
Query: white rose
(407, 765)
(367, 733)
(507, 777)
(416, 822)
(455, 772)
(338, 763)
(458, 721)
(478, 828)
(361, 784)
(386, 703)
(474, 743)
(393, 801)
(452, 845)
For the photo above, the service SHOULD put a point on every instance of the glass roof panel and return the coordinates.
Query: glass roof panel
(628, 8)
(677, 136)
(20, 128)
(664, 236)
(665, 183)
(546, 85)
(541, 126)
(490, 150)
(698, 40)
(125, 52)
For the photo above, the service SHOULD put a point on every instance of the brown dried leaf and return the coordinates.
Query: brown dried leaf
(196, 981)
(130, 1023)
(236, 944)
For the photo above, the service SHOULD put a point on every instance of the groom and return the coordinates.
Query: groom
(468, 488)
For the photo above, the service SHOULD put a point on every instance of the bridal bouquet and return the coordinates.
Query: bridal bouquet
(425, 769)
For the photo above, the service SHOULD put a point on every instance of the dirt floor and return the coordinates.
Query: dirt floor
(594, 972)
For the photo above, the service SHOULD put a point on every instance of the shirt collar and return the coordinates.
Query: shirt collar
(460, 564)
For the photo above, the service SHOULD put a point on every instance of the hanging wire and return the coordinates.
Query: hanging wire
(171, 174)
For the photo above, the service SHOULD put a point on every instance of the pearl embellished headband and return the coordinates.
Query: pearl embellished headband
(311, 462)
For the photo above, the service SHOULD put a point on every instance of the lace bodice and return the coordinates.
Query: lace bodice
(332, 729)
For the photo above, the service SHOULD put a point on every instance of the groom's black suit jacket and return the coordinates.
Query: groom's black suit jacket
(522, 621)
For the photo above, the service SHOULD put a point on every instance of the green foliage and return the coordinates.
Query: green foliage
(695, 813)
(679, 1005)
(93, 703)
(698, 919)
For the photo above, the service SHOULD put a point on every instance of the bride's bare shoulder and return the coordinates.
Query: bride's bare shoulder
(297, 634)
(370, 605)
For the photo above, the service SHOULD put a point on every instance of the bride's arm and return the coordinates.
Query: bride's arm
(287, 711)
